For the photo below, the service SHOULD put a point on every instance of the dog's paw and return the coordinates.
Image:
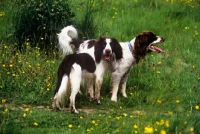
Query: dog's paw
(74, 111)
(96, 101)
(114, 99)
(124, 95)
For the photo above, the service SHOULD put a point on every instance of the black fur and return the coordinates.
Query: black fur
(83, 59)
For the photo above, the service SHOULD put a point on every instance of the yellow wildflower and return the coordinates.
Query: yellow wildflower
(163, 132)
(158, 72)
(6, 110)
(3, 101)
(197, 107)
(135, 126)
(167, 123)
(70, 126)
(170, 113)
(125, 114)
(148, 130)
(24, 115)
(27, 109)
(35, 124)
(191, 129)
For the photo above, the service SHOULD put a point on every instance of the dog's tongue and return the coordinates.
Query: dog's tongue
(158, 50)
(107, 57)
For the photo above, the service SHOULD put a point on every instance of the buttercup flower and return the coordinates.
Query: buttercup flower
(3, 101)
(35, 124)
(196, 107)
(24, 115)
(70, 126)
(148, 130)
(163, 132)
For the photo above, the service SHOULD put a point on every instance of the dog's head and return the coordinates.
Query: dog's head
(146, 42)
(106, 47)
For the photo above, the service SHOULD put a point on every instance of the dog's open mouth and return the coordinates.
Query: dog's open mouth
(107, 57)
(153, 46)
(156, 49)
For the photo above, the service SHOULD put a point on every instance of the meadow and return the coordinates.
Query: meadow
(163, 89)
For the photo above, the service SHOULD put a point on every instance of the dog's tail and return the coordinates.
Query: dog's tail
(65, 38)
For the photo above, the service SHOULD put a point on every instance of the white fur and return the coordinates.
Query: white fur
(64, 40)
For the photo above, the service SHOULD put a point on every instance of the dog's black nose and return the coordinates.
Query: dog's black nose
(107, 51)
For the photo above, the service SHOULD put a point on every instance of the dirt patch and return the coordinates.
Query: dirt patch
(23, 107)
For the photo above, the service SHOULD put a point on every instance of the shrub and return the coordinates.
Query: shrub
(37, 22)
(86, 27)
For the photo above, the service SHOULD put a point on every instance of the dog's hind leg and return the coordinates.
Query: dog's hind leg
(75, 80)
(62, 93)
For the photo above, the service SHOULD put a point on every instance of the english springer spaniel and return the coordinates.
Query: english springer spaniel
(90, 64)
(133, 51)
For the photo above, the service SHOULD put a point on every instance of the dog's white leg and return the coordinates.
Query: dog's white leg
(72, 100)
(114, 91)
(62, 93)
(75, 80)
(98, 84)
(123, 84)
(54, 104)
(116, 78)
(90, 89)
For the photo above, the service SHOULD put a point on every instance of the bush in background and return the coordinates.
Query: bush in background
(37, 22)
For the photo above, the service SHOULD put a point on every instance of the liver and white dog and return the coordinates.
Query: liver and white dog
(133, 51)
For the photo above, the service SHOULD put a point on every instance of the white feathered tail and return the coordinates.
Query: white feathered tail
(65, 37)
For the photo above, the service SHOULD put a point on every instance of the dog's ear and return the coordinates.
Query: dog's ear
(142, 39)
(140, 46)
(117, 49)
(98, 49)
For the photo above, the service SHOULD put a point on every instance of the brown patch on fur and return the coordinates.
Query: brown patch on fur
(91, 43)
(142, 41)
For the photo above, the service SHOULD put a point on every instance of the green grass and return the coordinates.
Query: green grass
(163, 89)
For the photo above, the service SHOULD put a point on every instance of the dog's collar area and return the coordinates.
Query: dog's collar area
(130, 46)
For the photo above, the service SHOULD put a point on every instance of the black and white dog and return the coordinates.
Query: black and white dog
(89, 64)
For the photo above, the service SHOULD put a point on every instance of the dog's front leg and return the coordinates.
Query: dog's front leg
(116, 78)
(98, 84)
(90, 88)
(123, 83)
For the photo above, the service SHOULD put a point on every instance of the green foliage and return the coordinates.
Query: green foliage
(38, 21)
(86, 25)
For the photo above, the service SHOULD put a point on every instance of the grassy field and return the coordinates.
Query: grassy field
(163, 89)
